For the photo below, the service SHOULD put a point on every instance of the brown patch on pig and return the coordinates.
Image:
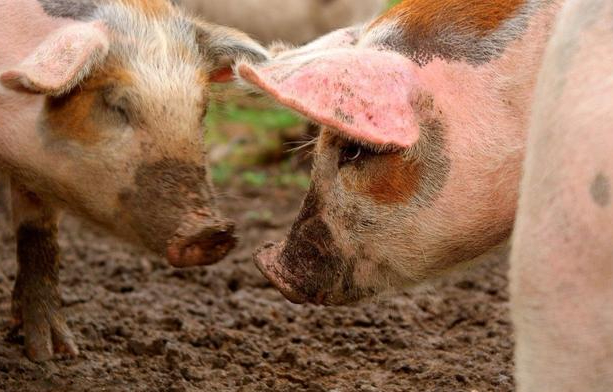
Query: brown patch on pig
(419, 172)
(600, 190)
(151, 8)
(78, 115)
(387, 179)
(70, 117)
(479, 16)
(470, 30)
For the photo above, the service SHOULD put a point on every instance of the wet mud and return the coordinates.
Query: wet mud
(143, 326)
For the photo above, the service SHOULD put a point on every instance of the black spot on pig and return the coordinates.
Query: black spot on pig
(601, 190)
(73, 9)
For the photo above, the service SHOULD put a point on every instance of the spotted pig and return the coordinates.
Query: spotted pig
(426, 115)
(101, 106)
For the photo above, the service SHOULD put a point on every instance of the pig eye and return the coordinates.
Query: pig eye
(350, 153)
(117, 106)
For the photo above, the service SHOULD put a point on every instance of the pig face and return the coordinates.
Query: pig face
(384, 209)
(119, 137)
(417, 166)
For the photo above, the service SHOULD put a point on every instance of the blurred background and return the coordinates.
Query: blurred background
(246, 133)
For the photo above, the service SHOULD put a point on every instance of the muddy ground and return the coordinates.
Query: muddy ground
(143, 326)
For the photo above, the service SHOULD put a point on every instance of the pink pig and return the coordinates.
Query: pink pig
(101, 109)
(417, 170)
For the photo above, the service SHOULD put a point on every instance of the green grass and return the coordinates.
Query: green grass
(263, 130)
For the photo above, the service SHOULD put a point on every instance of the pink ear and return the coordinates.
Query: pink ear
(363, 93)
(61, 61)
(342, 38)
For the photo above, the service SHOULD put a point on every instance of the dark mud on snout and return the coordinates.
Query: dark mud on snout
(172, 205)
(309, 266)
(143, 326)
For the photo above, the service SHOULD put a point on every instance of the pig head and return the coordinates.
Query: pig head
(102, 114)
(417, 166)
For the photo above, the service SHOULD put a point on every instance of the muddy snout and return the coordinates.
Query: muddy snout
(268, 260)
(202, 241)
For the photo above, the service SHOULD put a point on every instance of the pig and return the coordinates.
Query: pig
(430, 114)
(101, 107)
(562, 248)
(425, 113)
(292, 21)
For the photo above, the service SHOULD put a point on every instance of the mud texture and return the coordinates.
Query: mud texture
(144, 326)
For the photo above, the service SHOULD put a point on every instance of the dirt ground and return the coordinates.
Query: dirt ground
(143, 326)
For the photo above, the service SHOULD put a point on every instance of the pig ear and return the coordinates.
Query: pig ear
(60, 62)
(342, 38)
(222, 47)
(365, 94)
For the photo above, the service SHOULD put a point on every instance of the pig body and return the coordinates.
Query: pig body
(293, 21)
(425, 125)
(101, 106)
(562, 248)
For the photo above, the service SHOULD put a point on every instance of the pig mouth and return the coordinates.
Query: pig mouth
(202, 247)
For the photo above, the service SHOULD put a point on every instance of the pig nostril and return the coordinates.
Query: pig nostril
(207, 247)
(193, 254)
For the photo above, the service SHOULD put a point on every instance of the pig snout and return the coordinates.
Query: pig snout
(200, 242)
(171, 210)
(267, 259)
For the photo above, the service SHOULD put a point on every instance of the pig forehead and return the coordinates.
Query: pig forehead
(160, 54)
(158, 38)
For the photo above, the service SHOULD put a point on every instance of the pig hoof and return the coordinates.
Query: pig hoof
(46, 335)
(43, 339)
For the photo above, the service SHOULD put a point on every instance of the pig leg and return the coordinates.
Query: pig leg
(36, 305)
(562, 258)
